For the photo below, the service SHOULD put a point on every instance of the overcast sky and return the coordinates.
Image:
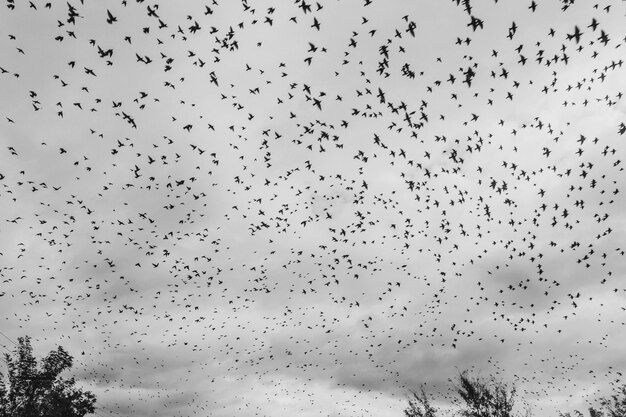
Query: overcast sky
(288, 208)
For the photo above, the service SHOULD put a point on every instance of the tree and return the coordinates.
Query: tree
(419, 405)
(489, 397)
(30, 390)
(613, 406)
(485, 397)
(478, 397)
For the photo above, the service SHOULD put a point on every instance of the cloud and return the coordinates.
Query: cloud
(242, 251)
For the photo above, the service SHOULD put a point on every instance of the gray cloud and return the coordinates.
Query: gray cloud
(243, 252)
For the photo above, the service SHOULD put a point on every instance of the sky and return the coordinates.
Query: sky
(278, 208)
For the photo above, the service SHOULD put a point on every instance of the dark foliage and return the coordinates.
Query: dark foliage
(30, 390)
(420, 406)
(613, 406)
(477, 397)
(485, 397)
(489, 397)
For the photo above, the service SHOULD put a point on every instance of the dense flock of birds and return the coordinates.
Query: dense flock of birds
(241, 206)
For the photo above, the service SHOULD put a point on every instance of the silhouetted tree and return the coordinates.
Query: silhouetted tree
(419, 405)
(576, 413)
(478, 397)
(613, 406)
(489, 397)
(485, 397)
(30, 390)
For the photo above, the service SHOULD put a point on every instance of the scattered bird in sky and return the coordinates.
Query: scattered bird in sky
(110, 18)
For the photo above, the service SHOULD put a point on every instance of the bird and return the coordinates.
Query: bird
(110, 18)
(575, 35)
